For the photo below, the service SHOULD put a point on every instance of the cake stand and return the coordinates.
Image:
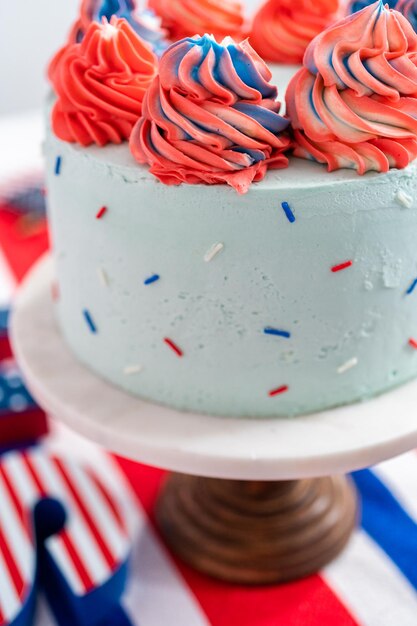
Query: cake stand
(250, 500)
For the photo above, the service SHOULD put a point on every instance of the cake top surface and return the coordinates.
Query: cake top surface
(301, 173)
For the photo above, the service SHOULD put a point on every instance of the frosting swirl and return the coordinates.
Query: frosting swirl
(409, 9)
(145, 23)
(354, 104)
(186, 18)
(282, 29)
(353, 6)
(100, 84)
(211, 116)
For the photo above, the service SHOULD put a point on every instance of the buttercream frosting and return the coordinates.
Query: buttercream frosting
(357, 5)
(354, 104)
(100, 84)
(144, 22)
(409, 9)
(186, 18)
(211, 116)
(282, 29)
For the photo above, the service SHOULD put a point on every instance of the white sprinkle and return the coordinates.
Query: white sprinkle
(130, 370)
(102, 275)
(347, 366)
(404, 199)
(211, 253)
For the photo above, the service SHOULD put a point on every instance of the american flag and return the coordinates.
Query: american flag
(88, 550)
(373, 583)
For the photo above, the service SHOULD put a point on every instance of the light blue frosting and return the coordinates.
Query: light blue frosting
(270, 273)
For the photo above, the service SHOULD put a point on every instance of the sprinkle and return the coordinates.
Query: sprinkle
(130, 370)
(342, 266)
(90, 321)
(404, 199)
(151, 279)
(58, 163)
(211, 253)
(288, 212)
(277, 332)
(411, 287)
(103, 278)
(348, 365)
(55, 291)
(173, 346)
(101, 212)
(413, 343)
(278, 391)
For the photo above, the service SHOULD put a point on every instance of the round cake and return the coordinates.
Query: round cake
(295, 295)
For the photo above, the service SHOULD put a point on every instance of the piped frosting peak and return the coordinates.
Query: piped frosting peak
(354, 104)
(211, 116)
(186, 18)
(144, 22)
(100, 84)
(282, 29)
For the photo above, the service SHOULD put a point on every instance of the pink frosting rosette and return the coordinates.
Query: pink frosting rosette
(211, 116)
(354, 103)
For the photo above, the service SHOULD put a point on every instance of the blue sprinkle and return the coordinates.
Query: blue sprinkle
(277, 332)
(411, 287)
(287, 210)
(90, 321)
(58, 165)
(151, 279)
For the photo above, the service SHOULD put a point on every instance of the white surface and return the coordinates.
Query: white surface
(30, 32)
(333, 441)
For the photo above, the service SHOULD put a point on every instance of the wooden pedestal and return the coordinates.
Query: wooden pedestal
(257, 532)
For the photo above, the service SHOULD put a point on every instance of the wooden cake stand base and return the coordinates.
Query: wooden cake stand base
(247, 506)
(257, 532)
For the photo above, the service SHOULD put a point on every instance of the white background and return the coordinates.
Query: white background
(30, 31)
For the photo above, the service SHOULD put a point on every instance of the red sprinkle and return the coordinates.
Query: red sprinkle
(173, 346)
(413, 343)
(342, 266)
(55, 291)
(101, 212)
(278, 391)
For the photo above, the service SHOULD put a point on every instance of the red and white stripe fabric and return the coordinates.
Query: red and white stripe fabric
(95, 539)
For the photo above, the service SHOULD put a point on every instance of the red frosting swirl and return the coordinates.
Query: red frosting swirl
(354, 104)
(211, 116)
(282, 29)
(100, 84)
(186, 18)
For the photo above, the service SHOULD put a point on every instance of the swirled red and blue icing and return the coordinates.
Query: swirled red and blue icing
(145, 23)
(354, 103)
(409, 9)
(353, 6)
(211, 116)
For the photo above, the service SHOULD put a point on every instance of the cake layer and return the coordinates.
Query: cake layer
(303, 307)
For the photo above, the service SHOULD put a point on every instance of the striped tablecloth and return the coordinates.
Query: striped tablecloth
(373, 583)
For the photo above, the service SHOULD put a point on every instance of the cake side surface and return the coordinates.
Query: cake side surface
(302, 307)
